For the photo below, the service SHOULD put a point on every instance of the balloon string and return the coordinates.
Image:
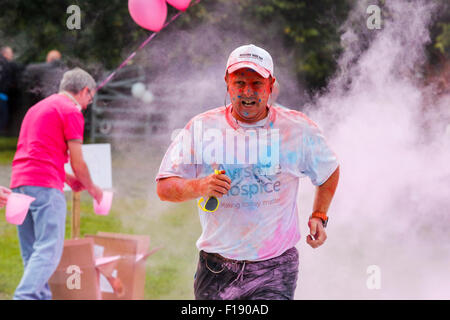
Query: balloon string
(131, 56)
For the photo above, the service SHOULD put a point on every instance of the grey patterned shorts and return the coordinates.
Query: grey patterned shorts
(221, 279)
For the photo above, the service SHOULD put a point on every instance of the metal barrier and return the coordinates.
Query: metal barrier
(116, 113)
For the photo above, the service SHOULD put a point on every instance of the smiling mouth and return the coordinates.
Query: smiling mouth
(248, 103)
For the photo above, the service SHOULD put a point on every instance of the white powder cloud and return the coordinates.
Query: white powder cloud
(392, 204)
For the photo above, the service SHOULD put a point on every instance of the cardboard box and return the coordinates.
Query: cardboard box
(108, 266)
(127, 280)
(76, 277)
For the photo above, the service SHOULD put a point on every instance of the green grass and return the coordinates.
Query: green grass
(136, 210)
(7, 150)
(170, 271)
(10, 260)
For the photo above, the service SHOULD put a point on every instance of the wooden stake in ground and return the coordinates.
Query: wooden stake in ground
(76, 202)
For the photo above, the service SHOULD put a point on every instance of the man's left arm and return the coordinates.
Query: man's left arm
(324, 195)
(74, 183)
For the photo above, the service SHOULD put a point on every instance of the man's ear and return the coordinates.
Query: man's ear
(272, 84)
(226, 79)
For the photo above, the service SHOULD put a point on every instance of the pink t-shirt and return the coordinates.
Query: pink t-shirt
(258, 218)
(42, 146)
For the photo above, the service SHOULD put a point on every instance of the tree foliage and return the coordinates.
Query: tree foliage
(310, 30)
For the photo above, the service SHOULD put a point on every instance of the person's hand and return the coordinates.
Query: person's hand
(96, 193)
(317, 231)
(215, 185)
(74, 183)
(4, 193)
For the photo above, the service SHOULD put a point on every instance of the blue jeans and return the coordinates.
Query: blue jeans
(41, 238)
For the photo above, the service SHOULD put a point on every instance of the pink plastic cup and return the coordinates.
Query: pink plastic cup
(17, 207)
(104, 206)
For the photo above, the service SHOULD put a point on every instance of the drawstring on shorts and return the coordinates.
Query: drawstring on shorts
(240, 275)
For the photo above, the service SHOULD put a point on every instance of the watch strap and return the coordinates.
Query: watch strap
(321, 215)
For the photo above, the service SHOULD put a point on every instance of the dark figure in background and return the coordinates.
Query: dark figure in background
(7, 81)
(53, 55)
(11, 120)
(39, 80)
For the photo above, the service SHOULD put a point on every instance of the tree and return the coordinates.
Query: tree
(308, 30)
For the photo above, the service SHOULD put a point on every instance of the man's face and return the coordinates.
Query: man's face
(87, 96)
(8, 54)
(249, 93)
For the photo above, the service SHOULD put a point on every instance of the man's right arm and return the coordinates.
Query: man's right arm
(176, 189)
(81, 171)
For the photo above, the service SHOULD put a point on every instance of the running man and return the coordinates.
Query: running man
(250, 156)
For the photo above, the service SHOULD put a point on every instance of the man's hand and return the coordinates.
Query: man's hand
(74, 183)
(4, 193)
(97, 193)
(214, 185)
(81, 171)
(178, 189)
(317, 231)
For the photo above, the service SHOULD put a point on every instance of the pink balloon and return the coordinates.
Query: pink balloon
(179, 4)
(149, 14)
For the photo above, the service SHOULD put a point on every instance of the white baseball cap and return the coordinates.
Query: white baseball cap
(253, 57)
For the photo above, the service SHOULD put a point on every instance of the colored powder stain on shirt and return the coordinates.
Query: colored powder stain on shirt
(292, 157)
(262, 196)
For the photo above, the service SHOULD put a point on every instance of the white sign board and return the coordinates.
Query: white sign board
(98, 159)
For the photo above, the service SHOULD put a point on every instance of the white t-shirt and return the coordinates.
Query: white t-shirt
(258, 218)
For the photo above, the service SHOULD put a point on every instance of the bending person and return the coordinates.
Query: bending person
(51, 130)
